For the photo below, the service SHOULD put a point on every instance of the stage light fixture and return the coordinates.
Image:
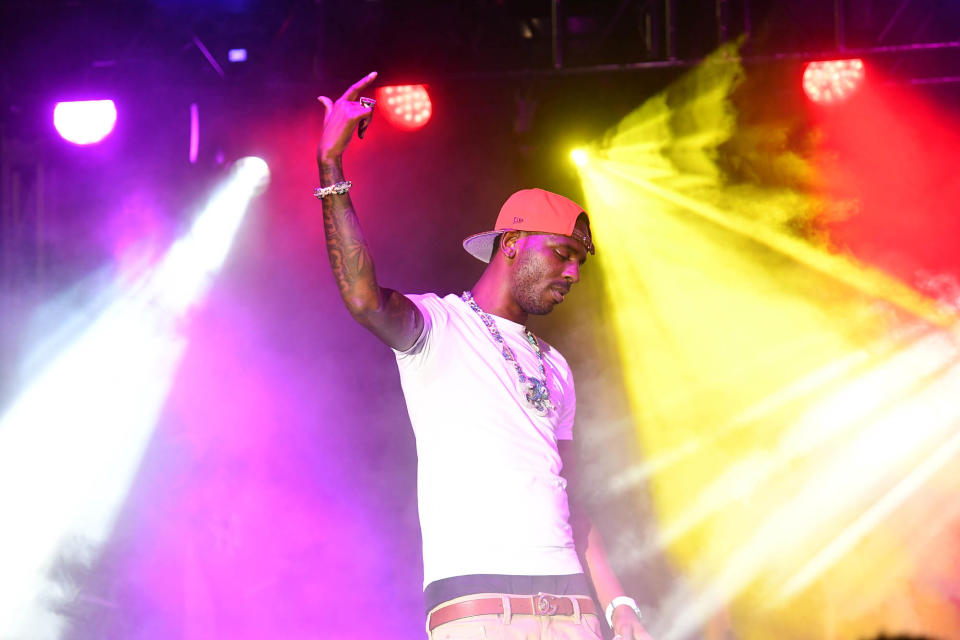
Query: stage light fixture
(237, 55)
(832, 81)
(85, 121)
(579, 157)
(405, 106)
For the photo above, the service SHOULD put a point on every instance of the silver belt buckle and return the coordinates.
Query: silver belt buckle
(546, 604)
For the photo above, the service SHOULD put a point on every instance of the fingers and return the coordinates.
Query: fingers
(355, 109)
(348, 109)
(354, 91)
(327, 106)
(365, 122)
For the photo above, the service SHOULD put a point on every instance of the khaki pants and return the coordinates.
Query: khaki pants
(496, 626)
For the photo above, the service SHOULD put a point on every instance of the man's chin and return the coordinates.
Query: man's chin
(542, 307)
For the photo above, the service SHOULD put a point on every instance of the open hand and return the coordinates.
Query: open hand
(342, 117)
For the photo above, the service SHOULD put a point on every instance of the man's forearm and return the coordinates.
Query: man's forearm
(349, 256)
(605, 582)
(626, 623)
(390, 315)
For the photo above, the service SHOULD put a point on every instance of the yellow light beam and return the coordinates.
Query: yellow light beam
(873, 516)
(859, 277)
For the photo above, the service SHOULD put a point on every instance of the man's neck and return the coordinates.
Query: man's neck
(493, 296)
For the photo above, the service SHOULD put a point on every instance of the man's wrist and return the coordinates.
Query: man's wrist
(331, 169)
(620, 605)
(329, 159)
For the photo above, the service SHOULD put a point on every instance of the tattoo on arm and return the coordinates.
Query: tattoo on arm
(346, 246)
(390, 315)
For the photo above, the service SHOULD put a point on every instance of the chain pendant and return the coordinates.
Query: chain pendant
(534, 390)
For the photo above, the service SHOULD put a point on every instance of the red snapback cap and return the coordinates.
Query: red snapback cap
(531, 210)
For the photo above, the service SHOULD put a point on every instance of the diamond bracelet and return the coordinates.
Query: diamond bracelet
(338, 188)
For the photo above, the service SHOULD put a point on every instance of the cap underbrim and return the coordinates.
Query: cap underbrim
(480, 245)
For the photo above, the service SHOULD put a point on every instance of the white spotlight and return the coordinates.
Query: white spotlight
(253, 170)
(72, 441)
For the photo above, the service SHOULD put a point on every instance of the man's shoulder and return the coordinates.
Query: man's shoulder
(432, 296)
(433, 302)
(438, 314)
(438, 310)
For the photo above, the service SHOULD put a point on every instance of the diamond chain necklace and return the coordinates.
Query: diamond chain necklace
(535, 391)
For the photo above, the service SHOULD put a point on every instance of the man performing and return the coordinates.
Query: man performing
(492, 409)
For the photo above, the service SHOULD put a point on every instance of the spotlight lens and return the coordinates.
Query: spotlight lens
(402, 102)
(579, 157)
(253, 170)
(832, 81)
(85, 121)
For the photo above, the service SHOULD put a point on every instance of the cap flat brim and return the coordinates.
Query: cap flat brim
(480, 245)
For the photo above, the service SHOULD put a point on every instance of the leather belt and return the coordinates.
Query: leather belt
(542, 604)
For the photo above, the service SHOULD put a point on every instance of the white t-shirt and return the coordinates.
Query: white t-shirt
(490, 493)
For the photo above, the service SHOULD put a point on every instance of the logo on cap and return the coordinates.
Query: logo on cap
(517, 220)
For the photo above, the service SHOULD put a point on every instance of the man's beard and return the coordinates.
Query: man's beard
(527, 288)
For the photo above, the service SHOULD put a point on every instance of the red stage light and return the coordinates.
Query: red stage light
(831, 81)
(405, 106)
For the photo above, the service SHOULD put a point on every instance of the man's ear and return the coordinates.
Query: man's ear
(508, 243)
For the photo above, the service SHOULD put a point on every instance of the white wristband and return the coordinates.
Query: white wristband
(616, 602)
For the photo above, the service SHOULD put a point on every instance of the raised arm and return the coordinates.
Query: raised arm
(390, 315)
